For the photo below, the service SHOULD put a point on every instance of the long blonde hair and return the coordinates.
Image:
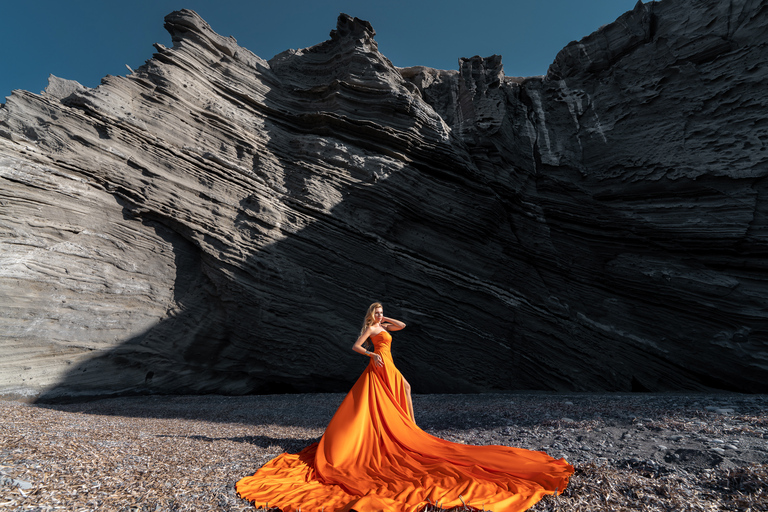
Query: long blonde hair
(369, 319)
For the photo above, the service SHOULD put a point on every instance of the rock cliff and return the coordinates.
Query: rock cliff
(215, 222)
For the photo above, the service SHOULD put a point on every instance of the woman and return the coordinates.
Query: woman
(372, 456)
(375, 325)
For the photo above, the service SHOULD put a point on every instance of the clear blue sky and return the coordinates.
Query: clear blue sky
(85, 40)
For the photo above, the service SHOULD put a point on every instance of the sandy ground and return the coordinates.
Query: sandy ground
(631, 451)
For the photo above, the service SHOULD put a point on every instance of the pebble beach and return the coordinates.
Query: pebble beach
(631, 451)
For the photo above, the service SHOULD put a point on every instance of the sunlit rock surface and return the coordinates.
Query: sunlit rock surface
(215, 222)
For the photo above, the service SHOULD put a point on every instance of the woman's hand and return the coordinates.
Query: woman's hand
(378, 360)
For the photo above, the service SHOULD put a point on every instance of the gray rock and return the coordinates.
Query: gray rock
(214, 222)
(21, 484)
(61, 88)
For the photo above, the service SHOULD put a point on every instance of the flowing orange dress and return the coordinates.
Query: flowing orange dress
(373, 457)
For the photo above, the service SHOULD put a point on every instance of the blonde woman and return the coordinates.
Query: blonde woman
(373, 457)
(377, 327)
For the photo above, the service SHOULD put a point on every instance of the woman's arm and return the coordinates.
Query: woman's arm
(394, 325)
(358, 347)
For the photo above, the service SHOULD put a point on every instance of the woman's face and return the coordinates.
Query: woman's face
(378, 314)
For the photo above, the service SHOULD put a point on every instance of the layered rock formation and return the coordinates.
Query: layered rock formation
(215, 222)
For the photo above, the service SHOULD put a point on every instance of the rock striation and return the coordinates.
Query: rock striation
(216, 222)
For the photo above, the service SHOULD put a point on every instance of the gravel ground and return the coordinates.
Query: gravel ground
(631, 451)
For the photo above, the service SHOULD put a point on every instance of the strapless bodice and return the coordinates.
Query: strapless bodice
(381, 341)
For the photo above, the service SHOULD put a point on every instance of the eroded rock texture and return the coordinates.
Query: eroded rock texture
(215, 222)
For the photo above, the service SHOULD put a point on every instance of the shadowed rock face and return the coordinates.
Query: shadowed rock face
(215, 222)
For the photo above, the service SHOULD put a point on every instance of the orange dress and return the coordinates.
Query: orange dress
(373, 457)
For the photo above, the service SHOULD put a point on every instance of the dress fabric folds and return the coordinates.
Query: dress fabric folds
(373, 457)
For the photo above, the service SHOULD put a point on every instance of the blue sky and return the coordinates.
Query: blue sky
(85, 40)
